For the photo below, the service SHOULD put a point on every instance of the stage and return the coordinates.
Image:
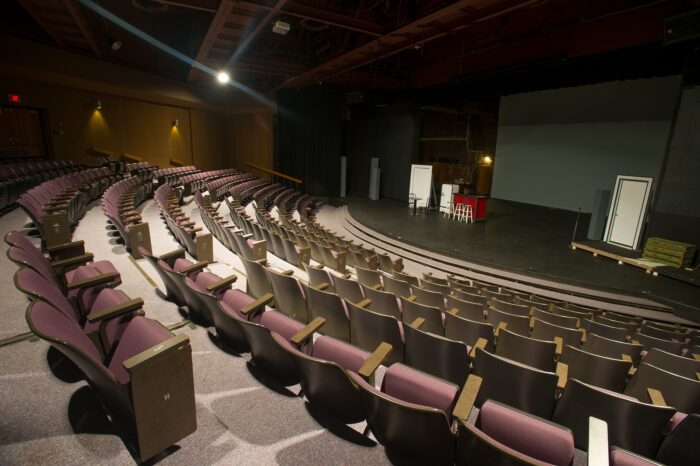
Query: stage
(533, 242)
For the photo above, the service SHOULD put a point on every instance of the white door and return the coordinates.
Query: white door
(627, 211)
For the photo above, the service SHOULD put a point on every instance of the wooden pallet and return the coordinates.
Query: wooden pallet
(669, 252)
(647, 265)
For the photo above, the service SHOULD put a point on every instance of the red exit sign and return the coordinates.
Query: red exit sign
(14, 98)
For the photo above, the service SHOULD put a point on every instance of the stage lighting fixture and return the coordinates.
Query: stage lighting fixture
(223, 77)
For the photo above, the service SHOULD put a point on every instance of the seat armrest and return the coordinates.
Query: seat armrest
(195, 230)
(467, 397)
(93, 281)
(418, 322)
(378, 286)
(76, 260)
(257, 305)
(223, 283)
(287, 273)
(194, 267)
(116, 310)
(412, 298)
(500, 326)
(480, 343)
(156, 352)
(560, 344)
(322, 286)
(319, 266)
(375, 359)
(598, 449)
(347, 276)
(563, 374)
(364, 303)
(176, 254)
(59, 249)
(656, 397)
(304, 334)
(628, 358)
(454, 311)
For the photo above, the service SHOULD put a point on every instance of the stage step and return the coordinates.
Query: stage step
(669, 252)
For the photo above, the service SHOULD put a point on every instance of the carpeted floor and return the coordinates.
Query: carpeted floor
(49, 415)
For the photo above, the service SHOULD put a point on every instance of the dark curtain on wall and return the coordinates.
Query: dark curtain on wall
(308, 139)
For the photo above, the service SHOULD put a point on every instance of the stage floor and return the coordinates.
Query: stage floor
(526, 239)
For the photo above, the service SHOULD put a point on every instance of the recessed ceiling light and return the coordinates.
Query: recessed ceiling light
(223, 77)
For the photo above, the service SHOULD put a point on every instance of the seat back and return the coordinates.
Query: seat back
(443, 289)
(503, 435)
(369, 329)
(324, 379)
(429, 298)
(330, 307)
(412, 280)
(411, 310)
(257, 282)
(515, 323)
(368, 277)
(685, 367)
(515, 384)
(468, 331)
(601, 371)
(673, 347)
(348, 289)
(404, 417)
(318, 276)
(630, 325)
(436, 355)
(604, 330)
(539, 354)
(542, 330)
(680, 392)
(555, 319)
(289, 299)
(30, 282)
(510, 307)
(383, 302)
(472, 297)
(398, 287)
(612, 348)
(632, 425)
(681, 446)
(467, 309)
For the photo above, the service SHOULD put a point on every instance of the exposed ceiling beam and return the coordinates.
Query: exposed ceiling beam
(78, 18)
(363, 79)
(250, 37)
(188, 5)
(217, 24)
(417, 32)
(264, 67)
(27, 5)
(324, 16)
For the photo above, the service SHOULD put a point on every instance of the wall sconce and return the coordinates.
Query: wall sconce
(176, 123)
(487, 160)
(98, 104)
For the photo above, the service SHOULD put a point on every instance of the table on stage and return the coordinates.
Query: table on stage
(478, 204)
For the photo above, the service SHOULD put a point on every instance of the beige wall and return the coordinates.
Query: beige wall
(217, 128)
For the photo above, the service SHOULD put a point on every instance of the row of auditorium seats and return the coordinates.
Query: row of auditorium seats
(172, 175)
(16, 178)
(198, 244)
(120, 202)
(196, 181)
(68, 195)
(220, 186)
(128, 359)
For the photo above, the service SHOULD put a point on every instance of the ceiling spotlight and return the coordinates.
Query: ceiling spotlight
(116, 45)
(280, 27)
(223, 77)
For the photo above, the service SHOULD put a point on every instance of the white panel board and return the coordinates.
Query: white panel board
(628, 210)
(421, 178)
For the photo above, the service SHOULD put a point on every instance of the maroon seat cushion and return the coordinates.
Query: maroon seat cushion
(527, 434)
(233, 301)
(347, 356)
(625, 458)
(416, 387)
(139, 335)
(280, 323)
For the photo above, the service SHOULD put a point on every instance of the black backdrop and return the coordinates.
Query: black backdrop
(309, 138)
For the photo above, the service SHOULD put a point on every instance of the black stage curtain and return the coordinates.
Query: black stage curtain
(308, 137)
